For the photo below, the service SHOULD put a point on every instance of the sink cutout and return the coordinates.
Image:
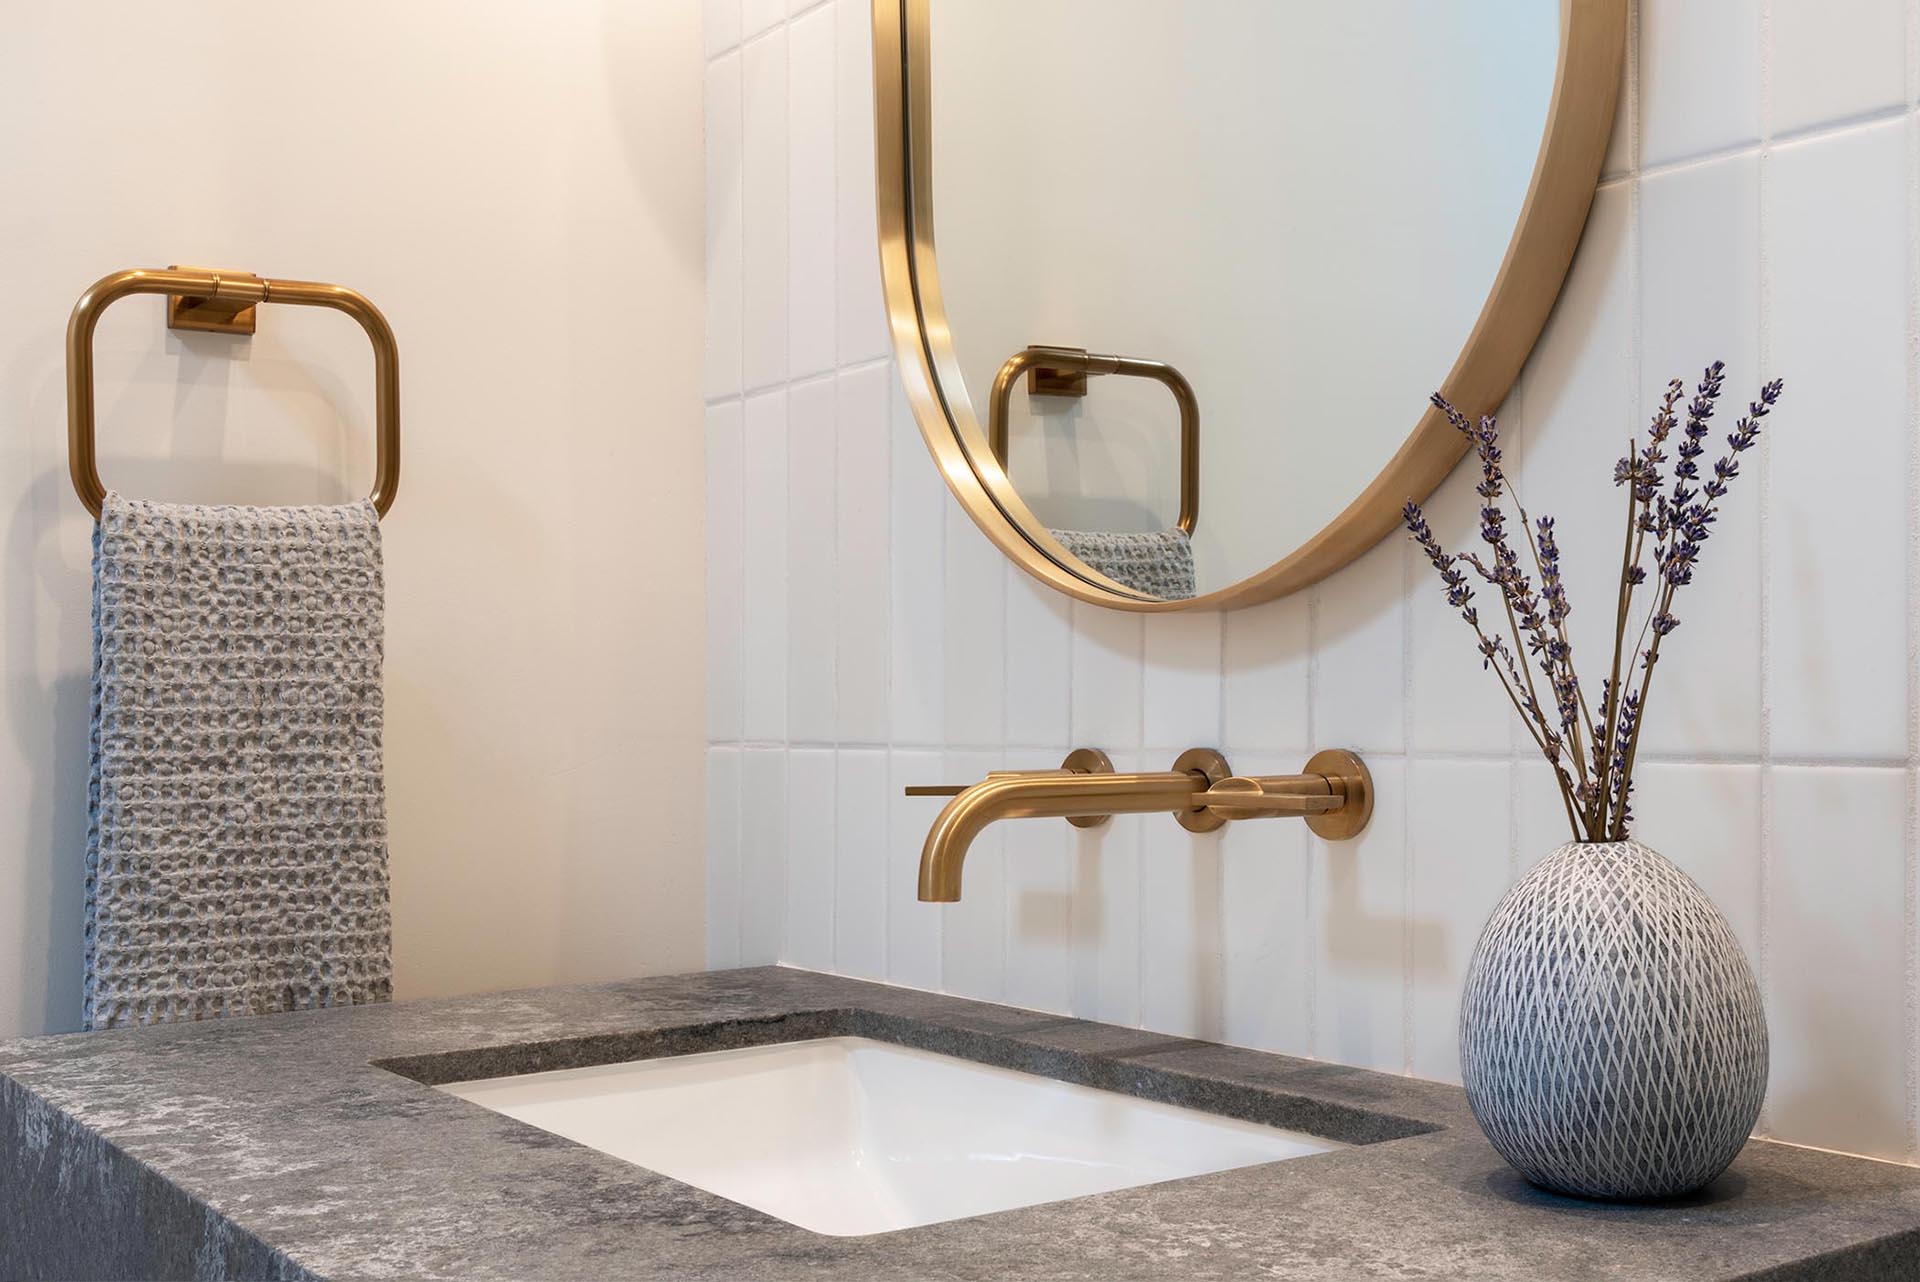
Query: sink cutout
(848, 1136)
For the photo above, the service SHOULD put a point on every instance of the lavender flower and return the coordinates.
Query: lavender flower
(1675, 512)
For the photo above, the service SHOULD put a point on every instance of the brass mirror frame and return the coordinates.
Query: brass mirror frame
(1573, 147)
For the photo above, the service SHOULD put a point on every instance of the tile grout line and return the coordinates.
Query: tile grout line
(739, 789)
(1763, 232)
(1409, 840)
(839, 418)
(1823, 131)
(1911, 906)
(1313, 918)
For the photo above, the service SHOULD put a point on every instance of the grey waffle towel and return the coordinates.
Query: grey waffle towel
(1159, 563)
(237, 832)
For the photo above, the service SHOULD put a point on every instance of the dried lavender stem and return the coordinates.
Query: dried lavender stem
(1610, 726)
(1577, 748)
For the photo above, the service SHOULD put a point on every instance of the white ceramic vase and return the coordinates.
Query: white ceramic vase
(1612, 1040)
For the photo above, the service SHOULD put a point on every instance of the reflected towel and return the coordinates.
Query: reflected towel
(1158, 563)
(237, 833)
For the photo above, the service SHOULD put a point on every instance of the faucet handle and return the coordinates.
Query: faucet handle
(1334, 793)
(1081, 761)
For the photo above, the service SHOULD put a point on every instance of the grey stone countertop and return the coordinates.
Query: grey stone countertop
(312, 1146)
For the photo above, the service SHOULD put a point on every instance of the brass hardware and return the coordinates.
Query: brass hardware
(1063, 371)
(1572, 149)
(1211, 769)
(216, 312)
(1335, 795)
(223, 302)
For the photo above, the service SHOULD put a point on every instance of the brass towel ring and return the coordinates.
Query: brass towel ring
(223, 302)
(1063, 371)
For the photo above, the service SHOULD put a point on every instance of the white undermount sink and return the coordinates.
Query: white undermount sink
(846, 1136)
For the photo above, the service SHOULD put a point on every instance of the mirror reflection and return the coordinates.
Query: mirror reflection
(1203, 262)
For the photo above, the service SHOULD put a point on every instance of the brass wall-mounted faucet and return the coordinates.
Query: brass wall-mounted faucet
(1334, 795)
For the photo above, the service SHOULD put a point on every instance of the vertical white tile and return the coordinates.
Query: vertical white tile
(1540, 817)
(1039, 662)
(1838, 446)
(861, 543)
(724, 228)
(1359, 687)
(861, 314)
(1106, 917)
(811, 871)
(764, 683)
(1700, 240)
(758, 15)
(723, 857)
(917, 631)
(811, 217)
(1623, 141)
(1359, 911)
(1181, 970)
(763, 855)
(1181, 695)
(1706, 818)
(863, 864)
(1040, 892)
(1831, 59)
(1459, 844)
(1106, 678)
(811, 586)
(1581, 402)
(976, 641)
(1836, 964)
(720, 25)
(1265, 695)
(1699, 77)
(726, 568)
(913, 928)
(764, 214)
(1267, 939)
(973, 932)
(1457, 706)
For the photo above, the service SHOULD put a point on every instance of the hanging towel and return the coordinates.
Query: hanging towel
(237, 833)
(1159, 563)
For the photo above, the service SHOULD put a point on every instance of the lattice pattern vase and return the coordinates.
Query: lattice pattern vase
(1612, 1040)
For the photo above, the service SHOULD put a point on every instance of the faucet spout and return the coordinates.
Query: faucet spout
(1334, 795)
(1062, 794)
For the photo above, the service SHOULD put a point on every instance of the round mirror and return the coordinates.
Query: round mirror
(1172, 280)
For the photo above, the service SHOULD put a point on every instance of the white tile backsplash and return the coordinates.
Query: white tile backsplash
(864, 451)
(1836, 928)
(725, 224)
(812, 627)
(863, 856)
(1758, 207)
(764, 607)
(763, 219)
(1180, 695)
(1700, 238)
(1835, 59)
(812, 227)
(1837, 485)
(1699, 77)
(811, 880)
(1457, 844)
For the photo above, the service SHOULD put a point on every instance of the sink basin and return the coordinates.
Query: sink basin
(847, 1136)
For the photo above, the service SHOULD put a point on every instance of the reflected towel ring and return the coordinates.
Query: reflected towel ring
(223, 303)
(1063, 371)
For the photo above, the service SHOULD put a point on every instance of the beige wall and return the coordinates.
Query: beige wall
(518, 187)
